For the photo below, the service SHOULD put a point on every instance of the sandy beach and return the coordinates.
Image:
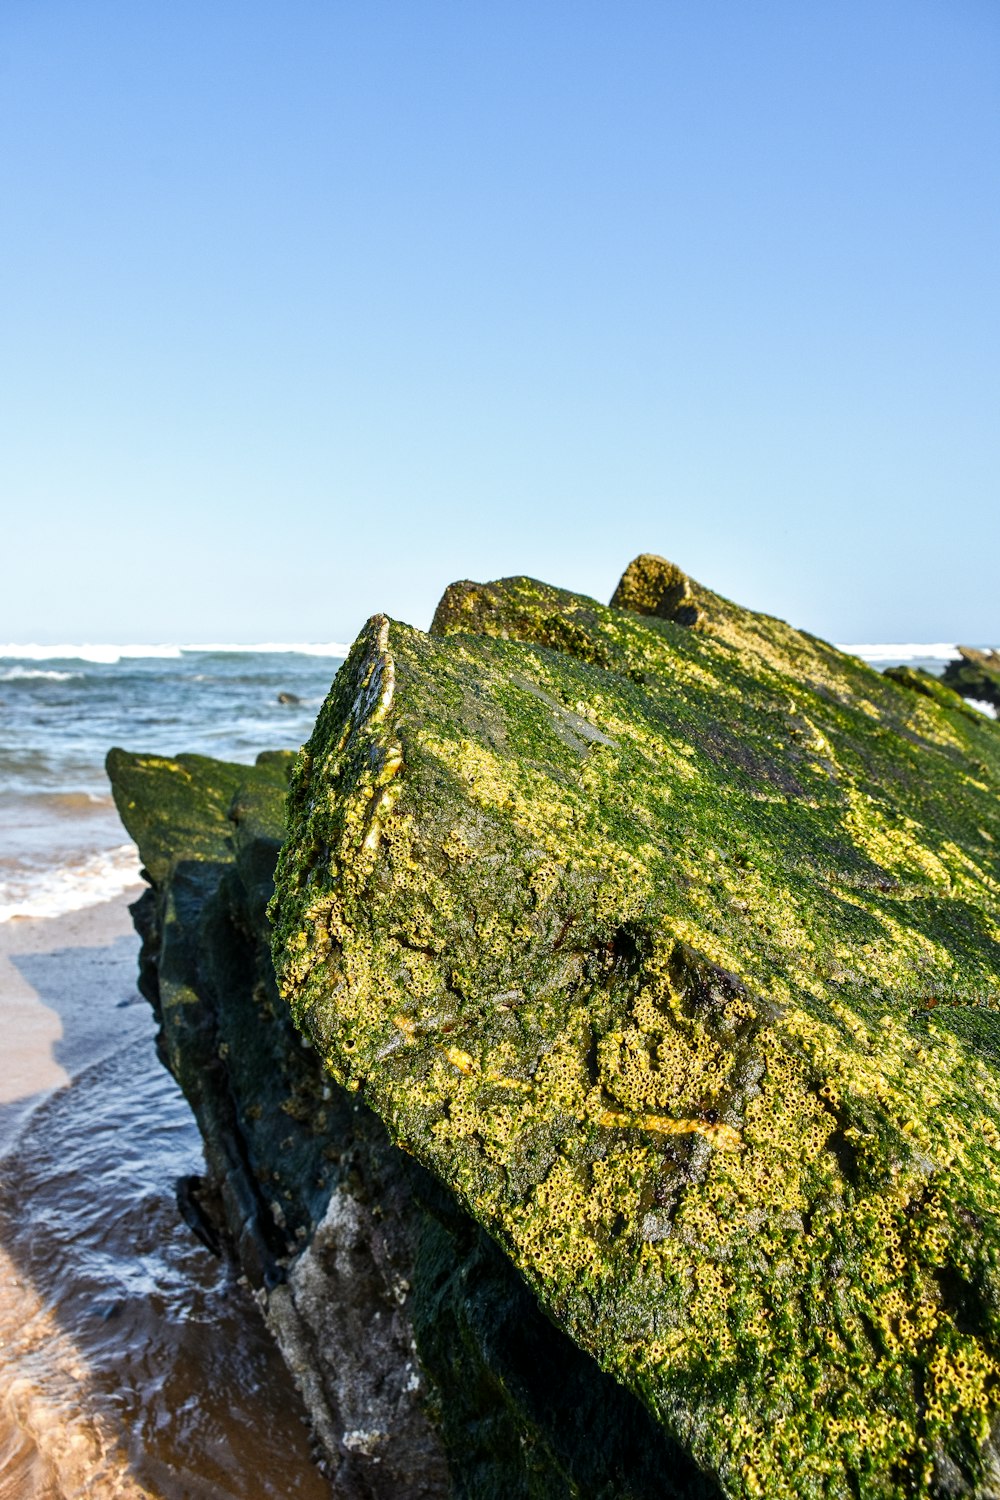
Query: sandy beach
(60, 980)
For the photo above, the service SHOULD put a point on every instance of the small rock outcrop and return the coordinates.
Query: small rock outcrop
(976, 674)
(651, 585)
(918, 680)
(285, 1150)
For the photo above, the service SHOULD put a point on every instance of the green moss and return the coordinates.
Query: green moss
(523, 1414)
(931, 687)
(174, 808)
(675, 955)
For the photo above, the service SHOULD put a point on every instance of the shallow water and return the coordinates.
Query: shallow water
(132, 1362)
(61, 844)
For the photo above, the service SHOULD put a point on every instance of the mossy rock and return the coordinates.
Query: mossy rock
(975, 674)
(674, 953)
(921, 681)
(208, 833)
(428, 1369)
(651, 585)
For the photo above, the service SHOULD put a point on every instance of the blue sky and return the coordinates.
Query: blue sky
(311, 308)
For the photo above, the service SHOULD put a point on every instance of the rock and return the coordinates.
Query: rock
(426, 1365)
(976, 674)
(291, 699)
(673, 956)
(280, 1143)
(199, 1220)
(652, 586)
(920, 681)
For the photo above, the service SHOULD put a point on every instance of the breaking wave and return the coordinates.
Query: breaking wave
(49, 893)
(27, 674)
(936, 651)
(109, 655)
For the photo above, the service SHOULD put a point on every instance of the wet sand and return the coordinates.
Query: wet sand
(132, 1364)
(60, 977)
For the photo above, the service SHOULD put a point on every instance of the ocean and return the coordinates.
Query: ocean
(132, 1364)
(62, 707)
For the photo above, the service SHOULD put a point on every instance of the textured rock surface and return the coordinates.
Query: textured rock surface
(426, 1364)
(293, 1164)
(976, 674)
(674, 953)
(921, 681)
(651, 585)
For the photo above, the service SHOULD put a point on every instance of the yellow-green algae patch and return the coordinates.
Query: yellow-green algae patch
(676, 954)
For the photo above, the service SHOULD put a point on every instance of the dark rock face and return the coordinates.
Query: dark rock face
(426, 1364)
(297, 1170)
(976, 674)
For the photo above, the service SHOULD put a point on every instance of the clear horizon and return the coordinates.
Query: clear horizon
(109, 652)
(317, 311)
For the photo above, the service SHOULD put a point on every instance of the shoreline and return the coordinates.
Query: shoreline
(134, 1365)
(59, 978)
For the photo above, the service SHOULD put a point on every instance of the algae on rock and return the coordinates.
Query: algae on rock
(426, 1365)
(976, 674)
(652, 586)
(675, 955)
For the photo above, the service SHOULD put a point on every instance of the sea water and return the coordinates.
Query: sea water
(63, 707)
(132, 1363)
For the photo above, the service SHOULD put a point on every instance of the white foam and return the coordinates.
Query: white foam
(909, 650)
(107, 654)
(307, 648)
(983, 707)
(97, 878)
(25, 674)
